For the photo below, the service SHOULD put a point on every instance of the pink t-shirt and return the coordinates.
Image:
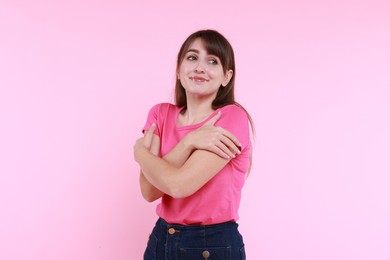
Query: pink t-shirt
(219, 199)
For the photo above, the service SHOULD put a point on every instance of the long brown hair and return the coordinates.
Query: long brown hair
(215, 44)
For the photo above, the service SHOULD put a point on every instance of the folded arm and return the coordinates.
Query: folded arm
(178, 182)
(216, 140)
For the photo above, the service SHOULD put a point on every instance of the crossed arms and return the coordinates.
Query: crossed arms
(206, 150)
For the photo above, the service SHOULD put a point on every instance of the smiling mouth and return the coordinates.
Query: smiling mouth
(198, 79)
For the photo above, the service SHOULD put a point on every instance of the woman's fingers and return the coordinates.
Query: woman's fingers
(215, 139)
(148, 137)
(224, 147)
(237, 146)
(227, 146)
(221, 151)
(219, 144)
(231, 141)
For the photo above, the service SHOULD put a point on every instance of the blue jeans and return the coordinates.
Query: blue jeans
(177, 242)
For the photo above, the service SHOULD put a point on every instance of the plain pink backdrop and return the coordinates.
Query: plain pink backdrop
(78, 77)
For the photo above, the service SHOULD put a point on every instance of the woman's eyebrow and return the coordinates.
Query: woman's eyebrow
(193, 50)
(197, 51)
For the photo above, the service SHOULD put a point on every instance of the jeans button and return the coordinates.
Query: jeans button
(171, 231)
(206, 254)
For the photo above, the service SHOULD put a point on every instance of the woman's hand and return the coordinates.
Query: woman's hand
(138, 147)
(148, 136)
(147, 143)
(214, 139)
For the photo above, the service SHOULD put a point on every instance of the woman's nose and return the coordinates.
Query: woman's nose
(200, 67)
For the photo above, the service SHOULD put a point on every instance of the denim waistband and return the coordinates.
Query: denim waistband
(163, 224)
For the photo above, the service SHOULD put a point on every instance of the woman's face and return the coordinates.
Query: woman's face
(200, 73)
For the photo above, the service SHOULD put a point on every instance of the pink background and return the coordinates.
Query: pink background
(78, 78)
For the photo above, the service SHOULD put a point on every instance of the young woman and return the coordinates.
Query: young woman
(195, 156)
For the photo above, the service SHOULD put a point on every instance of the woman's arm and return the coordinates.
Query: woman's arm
(208, 137)
(178, 182)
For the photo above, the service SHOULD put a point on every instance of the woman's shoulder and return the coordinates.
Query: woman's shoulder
(164, 107)
(234, 109)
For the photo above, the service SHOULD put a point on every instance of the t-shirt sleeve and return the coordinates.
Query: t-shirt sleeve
(153, 117)
(235, 120)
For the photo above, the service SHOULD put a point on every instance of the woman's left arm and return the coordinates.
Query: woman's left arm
(208, 137)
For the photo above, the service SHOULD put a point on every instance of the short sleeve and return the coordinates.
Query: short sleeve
(235, 120)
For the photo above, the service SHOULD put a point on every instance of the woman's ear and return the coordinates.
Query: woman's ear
(228, 77)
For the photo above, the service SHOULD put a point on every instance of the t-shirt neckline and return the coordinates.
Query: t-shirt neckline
(194, 125)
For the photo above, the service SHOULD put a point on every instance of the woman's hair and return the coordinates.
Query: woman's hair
(215, 44)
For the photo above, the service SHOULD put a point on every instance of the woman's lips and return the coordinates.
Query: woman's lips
(198, 79)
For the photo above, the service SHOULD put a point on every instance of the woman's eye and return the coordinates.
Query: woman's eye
(191, 57)
(213, 61)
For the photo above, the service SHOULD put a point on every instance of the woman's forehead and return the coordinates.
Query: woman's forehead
(199, 45)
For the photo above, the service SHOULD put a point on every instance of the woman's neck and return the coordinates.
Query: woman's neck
(196, 112)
